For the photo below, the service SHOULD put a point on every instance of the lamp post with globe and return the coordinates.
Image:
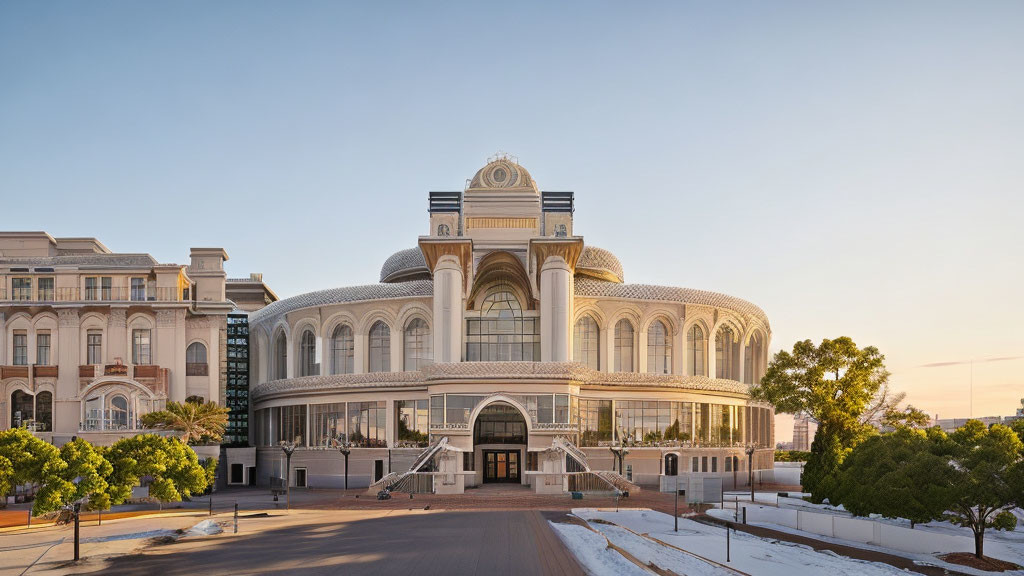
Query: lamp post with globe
(288, 448)
(345, 447)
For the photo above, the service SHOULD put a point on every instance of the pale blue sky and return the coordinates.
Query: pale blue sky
(853, 169)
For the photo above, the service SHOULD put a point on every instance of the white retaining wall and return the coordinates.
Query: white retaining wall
(918, 540)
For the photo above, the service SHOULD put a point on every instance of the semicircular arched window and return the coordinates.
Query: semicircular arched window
(342, 350)
(586, 342)
(502, 331)
(659, 348)
(380, 347)
(195, 360)
(727, 354)
(119, 413)
(695, 347)
(308, 365)
(624, 346)
(418, 345)
(281, 357)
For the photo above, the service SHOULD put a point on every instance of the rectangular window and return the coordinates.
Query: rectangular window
(696, 464)
(327, 424)
(467, 461)
(714, 463)
(141, 347)
(437, 410)
(92, 288)
(412, 422)
(46, 289)
(138, 289)
(21, 288)
(595, 422)
(20, 349)
(703, 463)
(629, 472)
(94, 352)
(43, 349)
(562, 408)
(106, 285)
(459, 408)
(545, 408)
(366, 424)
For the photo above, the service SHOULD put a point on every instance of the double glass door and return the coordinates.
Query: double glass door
(501, 466)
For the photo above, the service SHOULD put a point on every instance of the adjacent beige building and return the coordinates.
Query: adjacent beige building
(501, 347)
(93, 339)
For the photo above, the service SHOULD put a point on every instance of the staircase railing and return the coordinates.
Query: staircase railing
(617, 480)
(395, 481)
(572, 451)
(588, 482)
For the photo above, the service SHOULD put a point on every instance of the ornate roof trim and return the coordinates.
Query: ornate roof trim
(573, 371)
(589, 288)
(396, 290)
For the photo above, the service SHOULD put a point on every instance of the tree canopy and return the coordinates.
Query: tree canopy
(843, 387)
(172, 465)
(195, 422)
(25, 459)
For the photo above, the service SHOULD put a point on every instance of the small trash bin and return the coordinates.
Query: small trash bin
(577, 495)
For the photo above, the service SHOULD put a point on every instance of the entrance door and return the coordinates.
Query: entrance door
(501, 465)
(378, 470)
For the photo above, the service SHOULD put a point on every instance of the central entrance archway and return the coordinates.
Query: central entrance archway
(500, 433)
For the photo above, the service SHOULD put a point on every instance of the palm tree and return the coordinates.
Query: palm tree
(195, 421)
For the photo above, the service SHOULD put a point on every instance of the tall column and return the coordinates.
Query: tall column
(447, 325)
(118, 341)
(66, 410)
(555, 310)
(170, 350)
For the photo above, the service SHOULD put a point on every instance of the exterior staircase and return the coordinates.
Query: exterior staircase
(407, 481)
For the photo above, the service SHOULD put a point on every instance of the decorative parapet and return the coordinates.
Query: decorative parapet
(573, 372)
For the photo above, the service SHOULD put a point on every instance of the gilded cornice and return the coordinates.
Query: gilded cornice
(569, 249)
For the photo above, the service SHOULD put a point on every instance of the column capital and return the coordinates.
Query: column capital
(569, 249)
(434, 248)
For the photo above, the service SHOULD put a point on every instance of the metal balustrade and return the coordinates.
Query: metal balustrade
(97, 294)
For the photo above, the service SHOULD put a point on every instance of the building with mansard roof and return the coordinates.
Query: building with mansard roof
(501, 347)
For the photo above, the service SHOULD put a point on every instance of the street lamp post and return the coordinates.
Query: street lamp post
(345, 447)
(77, 510)
(750, 468)
(288, 448)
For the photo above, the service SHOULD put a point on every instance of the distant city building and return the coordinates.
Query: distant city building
(92, 340)
(950, 424)
(804, 429)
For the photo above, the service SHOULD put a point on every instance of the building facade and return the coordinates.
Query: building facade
(92, 339)
(502, 348)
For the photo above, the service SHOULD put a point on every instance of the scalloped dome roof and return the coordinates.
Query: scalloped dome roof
(600, 264)
(403, 265)
(502, 173)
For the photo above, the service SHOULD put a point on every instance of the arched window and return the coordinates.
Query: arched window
(659, 349)
(21, 409)
(195, 360)
(671, 465)
(752, 358)
(502, 332)
(695, 347)
(342, 350)
(281, 357)
(418, 345)
(118, 413)
(727, 354)
(586, 342)
(307, 354)
(624, 346)
(380, 347)
(44, 411)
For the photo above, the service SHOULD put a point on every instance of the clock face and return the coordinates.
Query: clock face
(499, 175)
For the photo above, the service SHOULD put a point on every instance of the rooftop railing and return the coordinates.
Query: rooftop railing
(90, 294)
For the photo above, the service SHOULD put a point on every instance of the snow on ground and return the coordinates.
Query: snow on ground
(661, 556)
(131, 536)
(593, 553)
(204, 528)
(750, 554)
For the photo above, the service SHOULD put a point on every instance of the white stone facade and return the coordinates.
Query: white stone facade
(514, 314)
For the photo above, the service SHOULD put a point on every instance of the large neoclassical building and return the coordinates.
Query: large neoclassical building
(501, 347)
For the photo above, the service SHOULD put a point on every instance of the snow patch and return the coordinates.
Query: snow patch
(592, 551)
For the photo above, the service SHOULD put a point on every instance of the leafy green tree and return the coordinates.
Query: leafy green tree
(91, 469)
(172, 465)
(897, 475)
(25, 459)
(1018, 428)
(195, 422)
(842, 387)
(987, 478)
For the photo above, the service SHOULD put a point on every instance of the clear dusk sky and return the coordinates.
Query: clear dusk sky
(853, 169)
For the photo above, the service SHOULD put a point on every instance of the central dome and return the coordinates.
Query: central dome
(502, 173)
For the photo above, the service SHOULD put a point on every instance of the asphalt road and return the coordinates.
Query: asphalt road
(512, 542)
